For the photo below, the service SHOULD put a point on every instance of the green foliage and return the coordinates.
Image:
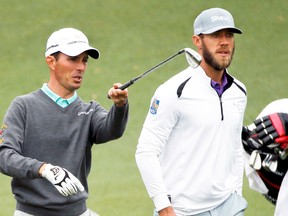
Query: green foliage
(132, 36)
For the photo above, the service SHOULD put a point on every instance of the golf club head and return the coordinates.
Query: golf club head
(270, 163)
(193, 58)
(255, 160)
(283, 154)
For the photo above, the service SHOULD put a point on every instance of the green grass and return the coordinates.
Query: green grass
(132, 36)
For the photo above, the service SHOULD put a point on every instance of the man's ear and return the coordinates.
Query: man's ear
(51, 61)
(197, 41)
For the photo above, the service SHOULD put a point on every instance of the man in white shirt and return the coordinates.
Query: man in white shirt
(189, 153)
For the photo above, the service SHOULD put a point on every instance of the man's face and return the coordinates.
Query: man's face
(218, 49)
(69, 71)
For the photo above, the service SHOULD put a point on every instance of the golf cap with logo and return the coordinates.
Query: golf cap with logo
(214, 19)
(71, 42)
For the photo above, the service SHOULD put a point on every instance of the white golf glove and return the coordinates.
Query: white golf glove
(64, 181)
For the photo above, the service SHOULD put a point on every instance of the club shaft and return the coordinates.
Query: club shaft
(132, 81)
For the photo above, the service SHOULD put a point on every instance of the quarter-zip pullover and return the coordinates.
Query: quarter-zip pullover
(190, 145)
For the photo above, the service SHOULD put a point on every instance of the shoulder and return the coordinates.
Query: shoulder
(28, 98)
(238, 84)
(170, 87)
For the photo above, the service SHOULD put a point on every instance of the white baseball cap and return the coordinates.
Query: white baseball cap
(71, 42)
(214, 19)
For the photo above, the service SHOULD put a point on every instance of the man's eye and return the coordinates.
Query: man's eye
(230, 34)
(72, 58)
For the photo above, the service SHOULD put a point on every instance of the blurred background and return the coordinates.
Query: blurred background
(133, 36)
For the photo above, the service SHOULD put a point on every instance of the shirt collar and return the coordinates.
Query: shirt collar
(217, 86)
(56, 98)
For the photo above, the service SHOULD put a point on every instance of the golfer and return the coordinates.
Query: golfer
(47, 135)
(189, 152)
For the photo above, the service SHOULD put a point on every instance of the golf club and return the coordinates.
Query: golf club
(255, 160)
(270, 163)
(282, 153)
(193, 58)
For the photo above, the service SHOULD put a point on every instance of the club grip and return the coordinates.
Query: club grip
(126, 85)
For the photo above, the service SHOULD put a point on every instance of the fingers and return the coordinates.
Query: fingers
(61, 190)
(115, 91)
(76, 183)
(118, 96)
(66, 188)
(64, 181)
(69, 186)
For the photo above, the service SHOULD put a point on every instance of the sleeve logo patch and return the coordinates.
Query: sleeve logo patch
(154, 106)
(2, 129)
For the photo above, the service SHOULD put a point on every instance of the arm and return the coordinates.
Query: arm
(155, 133)
(12, 162)
(111, 125)
(147, 159)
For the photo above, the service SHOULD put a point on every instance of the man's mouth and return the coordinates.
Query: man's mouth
(77, 78)
(223, 53)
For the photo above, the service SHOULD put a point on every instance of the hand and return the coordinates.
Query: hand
(168, 211)
(118, 96)
(272, 128)
(64, 181)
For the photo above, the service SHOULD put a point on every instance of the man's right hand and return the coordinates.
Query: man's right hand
(64, 181)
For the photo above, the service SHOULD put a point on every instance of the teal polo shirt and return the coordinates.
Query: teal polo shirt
(56, 98)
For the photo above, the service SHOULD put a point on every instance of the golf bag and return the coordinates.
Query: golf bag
(263, 179)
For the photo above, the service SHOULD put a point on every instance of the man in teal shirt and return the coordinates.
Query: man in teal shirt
(47, 135)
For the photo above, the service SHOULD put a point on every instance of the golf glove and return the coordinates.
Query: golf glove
(64, 181)
(272, 128)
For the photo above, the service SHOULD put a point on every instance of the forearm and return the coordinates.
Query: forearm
(12, 162)
(149, 166)
(112, 124)
(119, 117)
(15, 165)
